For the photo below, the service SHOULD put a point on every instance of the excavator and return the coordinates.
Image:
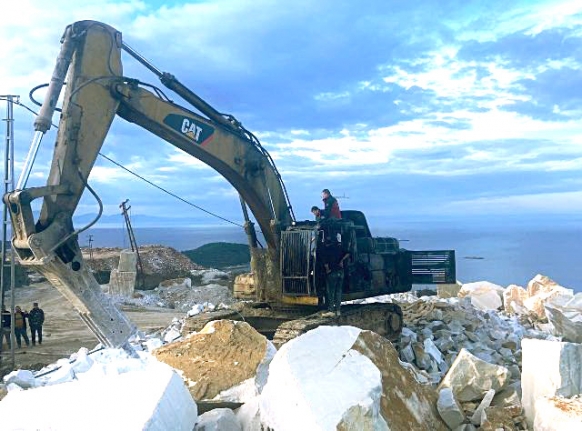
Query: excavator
(288, 275)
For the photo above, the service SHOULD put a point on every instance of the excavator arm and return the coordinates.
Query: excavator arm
(96, 92)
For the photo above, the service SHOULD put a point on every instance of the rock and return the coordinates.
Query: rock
(540, 284)
(426, 334)
(449, 409)
(23, 378)
(407, 354)
(146, 399)
(244, 286)
(175, 282)
(483, 294)
(344, 378)
(223, 355)
(249, 415)
(549, 368)
(409, 334)
(422, 358)
(515, 372)
(507, 397)
(495, 418)
(470, 378)
(558, 414)
(448, 290)
(218, 420)
(566, 319)
(121, 283)
(478, 417)
(433, 351)
(559, 296)
(196, 309)
(153, 343)
(513, 298)
(172, 335)
(83, 362)
(122, 279)
(63, 374)
(209, 276)
(544, 291)
(410, 406)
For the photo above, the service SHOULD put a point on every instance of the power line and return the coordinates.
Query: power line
(169, 192)
(145, 179)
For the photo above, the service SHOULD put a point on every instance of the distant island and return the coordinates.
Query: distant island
(220, 255)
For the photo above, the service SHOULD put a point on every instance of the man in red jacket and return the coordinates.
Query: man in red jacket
(331, 207)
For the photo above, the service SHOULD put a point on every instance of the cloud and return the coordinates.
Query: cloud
(539, 203)
(345, 96)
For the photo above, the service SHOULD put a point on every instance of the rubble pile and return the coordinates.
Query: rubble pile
(209, 287)
(203, 290)
(159, 263)
(438, 330)
(489, 359)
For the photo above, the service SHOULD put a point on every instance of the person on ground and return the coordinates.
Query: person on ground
(333, 263)
(6, 325)
(316, 213)
(20, 326)
(35, 321)
(331, 208)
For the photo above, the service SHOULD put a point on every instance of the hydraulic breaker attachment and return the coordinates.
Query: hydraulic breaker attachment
(53, 251)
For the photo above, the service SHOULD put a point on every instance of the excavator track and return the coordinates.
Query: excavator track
(384, 319)
(283, 324)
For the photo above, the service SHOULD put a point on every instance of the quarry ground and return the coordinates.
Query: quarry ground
(64, 332)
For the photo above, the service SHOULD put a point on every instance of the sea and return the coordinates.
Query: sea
(500, 253)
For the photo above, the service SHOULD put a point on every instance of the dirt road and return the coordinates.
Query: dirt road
(64, 332)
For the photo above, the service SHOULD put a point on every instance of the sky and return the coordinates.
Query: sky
(448, 109)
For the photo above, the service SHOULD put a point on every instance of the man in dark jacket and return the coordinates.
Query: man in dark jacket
(6, 324)
(333, 262)
(20, 326)
(36, 320)
(331, 208)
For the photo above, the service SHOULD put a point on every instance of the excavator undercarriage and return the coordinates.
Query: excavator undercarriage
(281, 324)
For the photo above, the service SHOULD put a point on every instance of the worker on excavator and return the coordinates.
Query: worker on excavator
(331, 207)
(316, 213)
(333, 262)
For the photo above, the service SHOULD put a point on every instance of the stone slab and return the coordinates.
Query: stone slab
(549, 368)
(138, 400)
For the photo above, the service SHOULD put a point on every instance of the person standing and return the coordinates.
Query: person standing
(333, 263)
(20, 326)
(331, 208)
(36, 320)
(6, 325)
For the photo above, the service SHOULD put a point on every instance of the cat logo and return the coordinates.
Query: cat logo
(191, 129)
(197, 131)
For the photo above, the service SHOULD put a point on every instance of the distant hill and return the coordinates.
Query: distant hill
(220, 254)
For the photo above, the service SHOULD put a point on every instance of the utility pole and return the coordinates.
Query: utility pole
(8, 187)
(125, 211)
(90, 248)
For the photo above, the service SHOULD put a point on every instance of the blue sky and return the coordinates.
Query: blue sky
(438, 109)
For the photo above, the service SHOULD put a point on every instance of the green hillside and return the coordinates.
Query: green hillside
(220, 254)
